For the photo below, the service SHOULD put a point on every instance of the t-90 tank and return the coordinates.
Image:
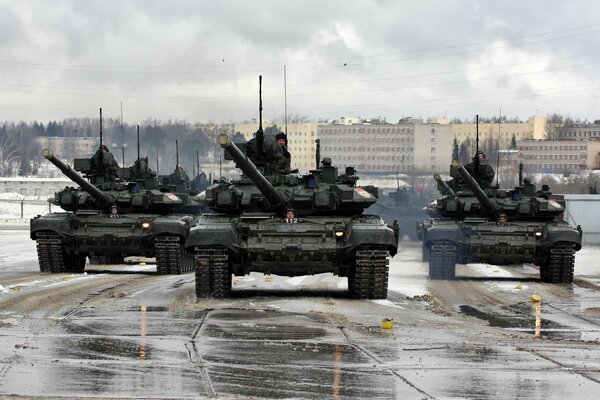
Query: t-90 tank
(497, 226)
(289, 224)
(403, 205)
(108, 218)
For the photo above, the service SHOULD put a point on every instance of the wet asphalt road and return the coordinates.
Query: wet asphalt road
(121, 331)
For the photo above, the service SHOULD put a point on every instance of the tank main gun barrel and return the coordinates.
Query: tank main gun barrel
(249, 169)
(97, 194)
(471, 183)
(445, 188)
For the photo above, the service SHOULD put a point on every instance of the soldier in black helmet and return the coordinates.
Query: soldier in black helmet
(108, 160)
(481, 170)
(114, 212)
(281, 157)
(502, 219)
(290, 216)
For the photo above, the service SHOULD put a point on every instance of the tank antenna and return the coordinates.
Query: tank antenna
(476, 134)
(101, 152)
(318, 153)
(138, 142)
(197, 162)
(177, 159)
(100, 126)
(285, 99)
(498, 150)
(122, 137)
(259, 132)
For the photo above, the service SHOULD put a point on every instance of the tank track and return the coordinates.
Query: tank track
(560, 264)
(171, 256)
(53, 258)
(442, 260)
(50, 252)
(370, 278)
(213, 274)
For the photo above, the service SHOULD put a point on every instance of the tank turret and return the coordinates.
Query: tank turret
(244, 163)
(488, 205)
(102, 198)
(444, 188)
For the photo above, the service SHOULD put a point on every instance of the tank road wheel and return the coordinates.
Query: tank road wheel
(442, 260)
(559, 265)
(370, 275)
(213, 273)
(171, 256)
(51, 256)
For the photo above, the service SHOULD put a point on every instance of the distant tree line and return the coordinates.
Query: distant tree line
(20, 155)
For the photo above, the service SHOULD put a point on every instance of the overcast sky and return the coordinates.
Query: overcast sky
(200, 60)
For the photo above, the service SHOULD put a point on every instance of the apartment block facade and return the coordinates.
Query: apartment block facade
(559, 155)
(408, 146)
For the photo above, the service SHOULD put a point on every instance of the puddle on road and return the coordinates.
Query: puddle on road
(104, 348)
(524, 318)
(274, 325)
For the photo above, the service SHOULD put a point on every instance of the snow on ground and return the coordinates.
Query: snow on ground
(10, 207)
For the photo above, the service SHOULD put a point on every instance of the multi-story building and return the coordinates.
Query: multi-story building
(559, 155)
(301, 140)
(580, 132)
(69, 147)
(534, 128)
(410, 145)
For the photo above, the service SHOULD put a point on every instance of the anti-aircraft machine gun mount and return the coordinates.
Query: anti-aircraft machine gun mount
(289, 224)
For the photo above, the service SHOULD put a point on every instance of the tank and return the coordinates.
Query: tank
(403, 205)
(497, 226)
(289, 224)
(111, 215)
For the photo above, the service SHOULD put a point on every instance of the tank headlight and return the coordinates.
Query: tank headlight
(538, 234)
(146, 224)
(339, 233)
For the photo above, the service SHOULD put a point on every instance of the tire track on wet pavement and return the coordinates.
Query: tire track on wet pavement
(381, 363)
(563, 366)
(196, 359)
(36, 300)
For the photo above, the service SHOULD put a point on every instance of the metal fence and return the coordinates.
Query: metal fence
(584, 210)
(25, 208)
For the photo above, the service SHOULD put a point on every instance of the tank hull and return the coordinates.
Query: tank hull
(465, 241)
(96, 235)
(254, 243)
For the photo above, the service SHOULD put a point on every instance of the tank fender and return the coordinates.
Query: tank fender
(379, 235)
(571, 235)
(172, 225)
(211, 230)
(54, 222)
(451, 233)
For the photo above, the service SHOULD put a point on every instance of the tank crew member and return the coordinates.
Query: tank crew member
(114, 212)
(481, 170)
(290, 216)
(282, 157)
(108, 160)
(502, 219)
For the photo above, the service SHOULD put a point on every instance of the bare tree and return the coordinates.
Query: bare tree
(554, 121)
(9, 156)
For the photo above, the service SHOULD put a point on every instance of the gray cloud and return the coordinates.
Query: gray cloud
(200, 60)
